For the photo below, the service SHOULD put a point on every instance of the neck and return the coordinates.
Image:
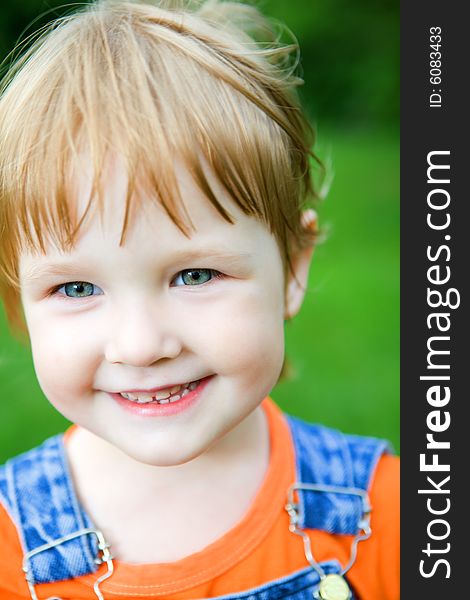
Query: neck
(118, 491)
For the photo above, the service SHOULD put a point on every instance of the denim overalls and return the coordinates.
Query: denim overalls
(60, 542)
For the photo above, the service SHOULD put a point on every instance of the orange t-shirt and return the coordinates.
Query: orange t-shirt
(259, 549)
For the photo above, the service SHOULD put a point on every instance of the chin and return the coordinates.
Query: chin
(156, 457)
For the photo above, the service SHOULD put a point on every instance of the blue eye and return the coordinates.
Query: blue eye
(79, 289)
(195, 276)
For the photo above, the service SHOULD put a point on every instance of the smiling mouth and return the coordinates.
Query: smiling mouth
(165, 396)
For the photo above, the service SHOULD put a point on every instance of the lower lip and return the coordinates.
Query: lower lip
(153, 409)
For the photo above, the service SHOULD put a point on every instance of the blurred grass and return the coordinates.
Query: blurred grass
(344, 345)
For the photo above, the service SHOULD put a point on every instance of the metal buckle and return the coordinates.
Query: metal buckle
(105, 557)
(292, 508)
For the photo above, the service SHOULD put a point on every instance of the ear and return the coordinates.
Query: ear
(297, 278)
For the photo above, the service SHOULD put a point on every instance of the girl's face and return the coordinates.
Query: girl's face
(161, 311)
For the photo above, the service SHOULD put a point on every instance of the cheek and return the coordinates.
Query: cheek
(63, 357)
(246, 337)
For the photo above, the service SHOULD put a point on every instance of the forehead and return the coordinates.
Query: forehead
(183, 211)
(151, 231)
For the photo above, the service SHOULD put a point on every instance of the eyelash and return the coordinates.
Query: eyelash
(214, 275)
(55, 291)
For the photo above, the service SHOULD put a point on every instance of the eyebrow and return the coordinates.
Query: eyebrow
(38, 271)
(229, 257)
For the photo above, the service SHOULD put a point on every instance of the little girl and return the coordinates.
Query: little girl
(155, 167)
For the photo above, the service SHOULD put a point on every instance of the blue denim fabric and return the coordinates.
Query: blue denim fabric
(298, 586)
(328, 457)
(37, 490)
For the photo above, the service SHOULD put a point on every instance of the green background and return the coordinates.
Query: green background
(344, 345)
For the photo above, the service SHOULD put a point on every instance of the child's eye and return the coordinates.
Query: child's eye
(79, 289)
(195, 276)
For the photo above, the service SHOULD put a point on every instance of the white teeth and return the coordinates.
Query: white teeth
(162, 396)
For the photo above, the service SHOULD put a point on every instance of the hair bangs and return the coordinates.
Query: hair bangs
(153, 85)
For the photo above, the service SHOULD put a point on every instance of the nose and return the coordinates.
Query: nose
(141, 336)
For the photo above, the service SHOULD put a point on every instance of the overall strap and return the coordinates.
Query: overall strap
(340, 467)
(36, 489)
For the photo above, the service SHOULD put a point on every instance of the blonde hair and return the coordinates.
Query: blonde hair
(207, 82)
